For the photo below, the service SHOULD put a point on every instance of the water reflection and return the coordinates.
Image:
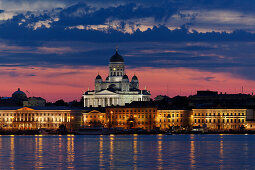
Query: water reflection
(101, 151)
(111, 151)
(70, 151)
(221, 152)
(192, 151)
(38, 151)
(128, 152)
(135, 151)
(60, 148)
(159, 160)
(12, 153)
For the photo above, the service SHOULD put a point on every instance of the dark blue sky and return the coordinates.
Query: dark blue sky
(215, 36)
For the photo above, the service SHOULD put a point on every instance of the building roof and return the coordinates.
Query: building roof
(19, 95)
(125, 77)
(134, 77)
(98, 77)
(43, 108)
(116, 58)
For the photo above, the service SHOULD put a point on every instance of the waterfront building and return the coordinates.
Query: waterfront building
(149, 117)
(221, 119)
(116, 89)
(214, 99)
(94, 118)
(34, 102)
(25, 118)
(170, 119)
(19, 98)
(129, 117)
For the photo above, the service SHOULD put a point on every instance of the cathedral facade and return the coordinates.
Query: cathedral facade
(116, 89)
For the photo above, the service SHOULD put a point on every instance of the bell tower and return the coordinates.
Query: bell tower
(116, 67)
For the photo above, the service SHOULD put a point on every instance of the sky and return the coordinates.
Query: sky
(56, 48)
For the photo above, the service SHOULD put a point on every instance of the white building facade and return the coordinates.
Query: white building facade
(116, 89)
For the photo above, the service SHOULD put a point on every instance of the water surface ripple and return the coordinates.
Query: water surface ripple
(128, 152)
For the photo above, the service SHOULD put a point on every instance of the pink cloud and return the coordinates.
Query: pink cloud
(54, 50)
(70, 83)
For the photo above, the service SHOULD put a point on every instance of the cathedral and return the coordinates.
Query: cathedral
(116, 89)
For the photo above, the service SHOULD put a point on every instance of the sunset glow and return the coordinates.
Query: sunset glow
(69, 83)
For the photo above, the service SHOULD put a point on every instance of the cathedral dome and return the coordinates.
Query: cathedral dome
(116, 58)
(134, 77)
(125, 77)
(98, 77)
(19, 95)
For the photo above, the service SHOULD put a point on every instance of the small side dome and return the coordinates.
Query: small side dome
(19, 95)
(116, 58)
(134, 77)
(125, 77)
(99, 77)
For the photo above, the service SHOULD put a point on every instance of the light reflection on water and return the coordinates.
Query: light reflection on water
(128, 152)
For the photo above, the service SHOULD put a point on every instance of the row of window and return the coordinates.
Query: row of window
(118, 69)
(127, 116)
(223, 114)
(169, 120)
(134, 110)
(34, 119)
(94, 116)
(90, 122)
(173, 115)
(125, 123)
(118, 74)
(224, 126)
(28, 126)
(31, 114)
(219, 121)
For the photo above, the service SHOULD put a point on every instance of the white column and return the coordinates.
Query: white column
(95, 102)
(102, 102)
(114, 101)
(108, 101)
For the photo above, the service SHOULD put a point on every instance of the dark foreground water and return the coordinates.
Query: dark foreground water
(128, 152)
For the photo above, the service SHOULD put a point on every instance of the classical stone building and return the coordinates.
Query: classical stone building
(116, 89)
(129, 117)
(222, 119)
(167, 119)
(29, 118)
(94, 118)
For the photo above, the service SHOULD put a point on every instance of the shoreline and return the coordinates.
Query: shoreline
(36, 133)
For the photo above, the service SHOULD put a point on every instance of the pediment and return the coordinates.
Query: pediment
(94, 111)
(24, 108)
(105, 92)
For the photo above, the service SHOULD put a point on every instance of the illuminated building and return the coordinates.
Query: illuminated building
(42, 117)
(94, 118)
(128, 117)
(221, 119)
(167, 119)
(148, 117)
(116, 89)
